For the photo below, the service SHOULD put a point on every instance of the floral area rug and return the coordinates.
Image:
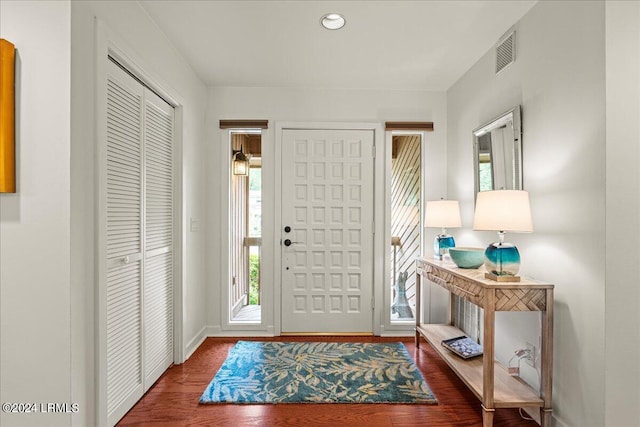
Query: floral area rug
(318, 372)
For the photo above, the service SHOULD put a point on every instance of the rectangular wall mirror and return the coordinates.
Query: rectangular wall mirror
(497, 153)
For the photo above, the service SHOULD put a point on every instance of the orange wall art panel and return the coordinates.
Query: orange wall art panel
(7, 117)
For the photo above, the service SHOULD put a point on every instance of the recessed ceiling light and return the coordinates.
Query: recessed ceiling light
(332, 21)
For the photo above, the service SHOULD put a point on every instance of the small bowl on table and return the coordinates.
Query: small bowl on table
(467, 257)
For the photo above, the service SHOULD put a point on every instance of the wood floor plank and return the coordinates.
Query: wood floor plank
(173, 400)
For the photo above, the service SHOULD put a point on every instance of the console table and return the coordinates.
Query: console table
(488, 379)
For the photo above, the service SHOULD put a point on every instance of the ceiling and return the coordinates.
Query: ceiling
(391, 45)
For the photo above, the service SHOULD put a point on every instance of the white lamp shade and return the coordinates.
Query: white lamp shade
(442, 214)
(503, 210)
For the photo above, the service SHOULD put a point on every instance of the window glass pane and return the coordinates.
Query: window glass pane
(406, 193)
(246, 229)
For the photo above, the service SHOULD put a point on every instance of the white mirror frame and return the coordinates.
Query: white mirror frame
(512, 116)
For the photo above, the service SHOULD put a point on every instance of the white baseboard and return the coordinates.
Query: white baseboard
(213, 331)
(398, 331)
(194, 343)
(397, 334)
(535, 414)
(557, 422)
(216, 331)
(237, 331)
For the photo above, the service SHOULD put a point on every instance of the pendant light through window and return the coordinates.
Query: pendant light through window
(240, 163)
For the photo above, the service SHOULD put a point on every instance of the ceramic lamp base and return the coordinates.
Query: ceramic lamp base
(502, 260)
(441, 245)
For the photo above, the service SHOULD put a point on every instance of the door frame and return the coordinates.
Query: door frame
(378, 211)
(108, 44)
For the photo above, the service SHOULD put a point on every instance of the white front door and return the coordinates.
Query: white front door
(327, 231)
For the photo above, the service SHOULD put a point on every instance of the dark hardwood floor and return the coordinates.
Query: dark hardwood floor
(173, 400)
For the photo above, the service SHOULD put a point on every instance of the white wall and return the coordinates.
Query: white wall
(559, 79)
(35, 222)
(46, 269)
(306, 105)
(46, 229)
(622, 404)
(133, 31)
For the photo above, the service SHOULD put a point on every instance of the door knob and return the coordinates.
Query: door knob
(288, 242)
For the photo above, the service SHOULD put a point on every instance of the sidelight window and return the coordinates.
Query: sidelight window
(406, 229)
(245, 288)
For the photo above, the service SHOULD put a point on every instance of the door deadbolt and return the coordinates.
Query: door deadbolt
(287, 229)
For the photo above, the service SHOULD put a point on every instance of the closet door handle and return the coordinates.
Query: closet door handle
(126, 260)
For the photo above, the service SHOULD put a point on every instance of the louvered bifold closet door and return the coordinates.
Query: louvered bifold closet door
(124, 384)
(158, 267)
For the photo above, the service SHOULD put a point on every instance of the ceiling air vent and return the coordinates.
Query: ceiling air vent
(506, 52)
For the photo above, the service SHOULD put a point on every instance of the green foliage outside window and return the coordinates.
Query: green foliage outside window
(255, 179)
(254, 274)
(254, 230)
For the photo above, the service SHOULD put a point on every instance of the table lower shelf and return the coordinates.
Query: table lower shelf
(509, 391)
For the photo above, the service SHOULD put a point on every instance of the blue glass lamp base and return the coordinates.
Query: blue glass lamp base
(441, 245)
(502, 259)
